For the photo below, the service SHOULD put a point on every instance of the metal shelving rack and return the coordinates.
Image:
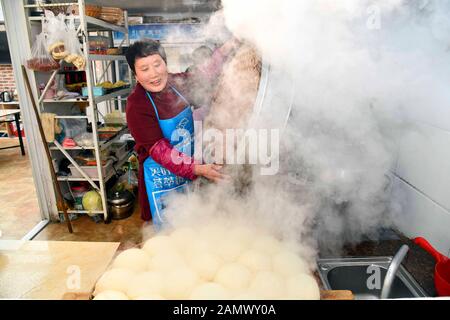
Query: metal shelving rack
(85, 25)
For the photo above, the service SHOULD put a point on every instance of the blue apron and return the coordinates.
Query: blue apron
(159, 181)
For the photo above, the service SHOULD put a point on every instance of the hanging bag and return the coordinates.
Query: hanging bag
(40, 59)
(73, 46)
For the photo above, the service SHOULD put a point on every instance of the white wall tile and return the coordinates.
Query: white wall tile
(424, 161)
(420, 216)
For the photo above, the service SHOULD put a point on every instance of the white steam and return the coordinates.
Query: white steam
(357, 66)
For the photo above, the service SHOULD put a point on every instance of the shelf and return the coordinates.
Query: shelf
(82, 211)
(69, 178)
(106, 57)
(49, 5)
(112, 95)
(73, 100)
(73, 148)
(94, 24)
(71, 117)
(108, 175)
(86, 27)
(102, 145)
(105, 144)
(98, 99)
(118, 165)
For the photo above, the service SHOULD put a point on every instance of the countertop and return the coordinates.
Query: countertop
(418, 262)
(51, 269)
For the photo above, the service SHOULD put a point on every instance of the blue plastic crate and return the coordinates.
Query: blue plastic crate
(98, 91)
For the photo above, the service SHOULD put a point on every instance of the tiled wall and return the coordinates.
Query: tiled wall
(423, 183)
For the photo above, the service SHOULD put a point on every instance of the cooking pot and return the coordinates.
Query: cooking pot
(121, 204)
(442, 269)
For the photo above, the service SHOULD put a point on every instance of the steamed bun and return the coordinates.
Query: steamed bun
(267, 244)
(244, 235)
(165, 261)
(114, 279)
(214, 261)
(179, 283)
(199, 245)
(268, 285)
(287, 263)
(183, 237)
(146, 284)
(302, 287)
(255, 260)
(233, 276)
(210, 291)
(205, 264)
(158, 244)
(229, 250)
(133, 259)
(111, 295)
(150, 296)
(213, 233)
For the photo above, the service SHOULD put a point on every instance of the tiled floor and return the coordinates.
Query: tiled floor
(129, 232)
(19, 209)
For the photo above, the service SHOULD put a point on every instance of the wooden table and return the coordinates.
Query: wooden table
(51, 269)
(4, 119)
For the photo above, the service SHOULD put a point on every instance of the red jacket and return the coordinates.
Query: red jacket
(144, 126)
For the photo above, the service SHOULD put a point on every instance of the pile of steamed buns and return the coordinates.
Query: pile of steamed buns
(212, 262)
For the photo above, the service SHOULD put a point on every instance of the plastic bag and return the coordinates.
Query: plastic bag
(127, 181)
(41, 60)
(57, 32)
(71, 128)
(132, 178)
(84, 140)
(73, 46)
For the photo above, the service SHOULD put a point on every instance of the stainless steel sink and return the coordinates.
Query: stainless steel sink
(365, 277)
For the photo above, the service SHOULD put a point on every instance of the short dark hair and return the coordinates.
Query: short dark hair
(142, 49)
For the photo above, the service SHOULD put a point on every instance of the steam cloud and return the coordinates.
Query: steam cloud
(360, 70)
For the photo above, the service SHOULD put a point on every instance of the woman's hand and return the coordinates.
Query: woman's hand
(210, 171)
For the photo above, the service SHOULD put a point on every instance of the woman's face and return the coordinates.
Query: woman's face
(151, 72)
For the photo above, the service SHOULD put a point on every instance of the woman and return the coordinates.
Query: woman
(156, 109)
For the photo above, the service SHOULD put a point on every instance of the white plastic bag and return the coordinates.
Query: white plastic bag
(84, 140)
(72, 127)
(73, 46)
(40, 59)
(56, 29)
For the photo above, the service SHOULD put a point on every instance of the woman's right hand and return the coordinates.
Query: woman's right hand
(210, 171)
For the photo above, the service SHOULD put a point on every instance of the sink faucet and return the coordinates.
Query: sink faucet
(392, 270)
